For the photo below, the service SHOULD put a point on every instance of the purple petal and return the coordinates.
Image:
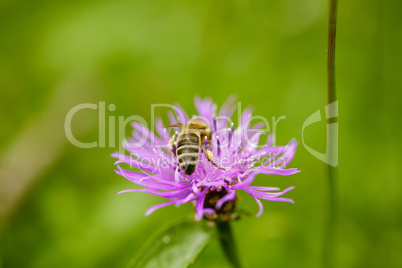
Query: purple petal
(280, 199)
(205, 108)
(156, 181)
(264, 195)
(260, 207)
(132, 162)
(245, 183)
(252, 143)
(245, 118)
(226, 111)
(261, 188)
(199, 205)
(276, 171)
(231, 195)
(196, 190)
(172, 118)
(161, 130)
(172, 194)
(180, 114)
(158, 206)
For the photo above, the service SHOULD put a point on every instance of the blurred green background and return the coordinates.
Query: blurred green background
(58, 203)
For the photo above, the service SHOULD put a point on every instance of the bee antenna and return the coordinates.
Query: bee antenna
(174, 125)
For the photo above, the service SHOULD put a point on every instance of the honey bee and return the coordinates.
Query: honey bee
(186, 145)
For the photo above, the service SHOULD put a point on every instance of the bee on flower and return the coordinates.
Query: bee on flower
(205, 161)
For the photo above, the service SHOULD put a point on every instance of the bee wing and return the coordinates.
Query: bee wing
(175, 125)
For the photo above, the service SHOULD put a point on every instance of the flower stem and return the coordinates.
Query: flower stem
(331, 51)
(330, 245)
(227, 242)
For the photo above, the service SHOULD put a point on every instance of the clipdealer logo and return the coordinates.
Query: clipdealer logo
(331, 113)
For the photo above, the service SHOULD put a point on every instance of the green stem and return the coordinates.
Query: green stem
(330, 245)
(227, 242)
(331, 50)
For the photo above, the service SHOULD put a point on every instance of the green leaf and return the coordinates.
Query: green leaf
(177, 244)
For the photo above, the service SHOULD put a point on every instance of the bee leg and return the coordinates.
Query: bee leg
(172, 143)
(210, 157)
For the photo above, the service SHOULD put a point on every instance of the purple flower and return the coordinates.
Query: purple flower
(213, 185)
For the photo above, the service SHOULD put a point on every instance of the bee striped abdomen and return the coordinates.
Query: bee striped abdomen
(188, 149)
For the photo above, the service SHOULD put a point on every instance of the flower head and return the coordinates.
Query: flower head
(227, 162)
